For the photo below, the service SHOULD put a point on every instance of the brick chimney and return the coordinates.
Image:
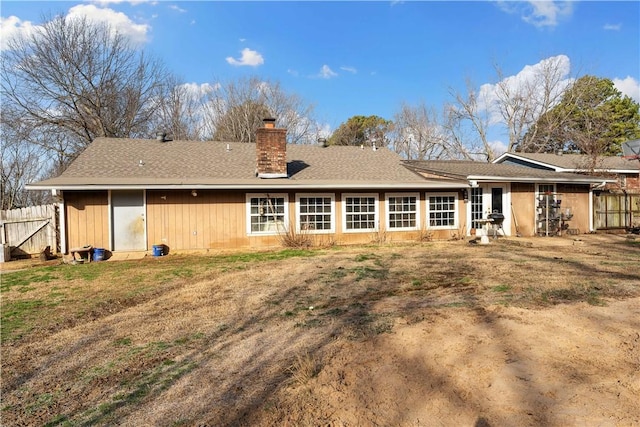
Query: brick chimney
(271, 149)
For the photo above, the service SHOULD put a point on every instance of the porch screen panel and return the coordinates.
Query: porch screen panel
(476, 207)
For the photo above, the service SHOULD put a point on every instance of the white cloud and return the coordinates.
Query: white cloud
(120, 22)
(539, 13)
(526, 83)
(249, 58)
(292, 72)
(177, 8)
(498, 147)
(132, 2)
(12, 27)
(628, 86)
(326, 72)
(199, 90)
(351, 70)
(612, 27)
(324, 130)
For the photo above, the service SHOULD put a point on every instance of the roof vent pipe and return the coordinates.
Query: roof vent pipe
(161, 136)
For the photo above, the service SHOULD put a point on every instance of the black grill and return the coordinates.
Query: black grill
(497, 218)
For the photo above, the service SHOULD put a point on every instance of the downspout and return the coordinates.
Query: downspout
(592, 228)
(62, 219)
(591, 225)
(627, 209)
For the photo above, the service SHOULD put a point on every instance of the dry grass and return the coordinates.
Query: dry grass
(197, 340)
(290, 238)
(303, 369)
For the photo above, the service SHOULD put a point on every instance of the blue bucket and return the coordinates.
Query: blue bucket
(158, 250)
(98, 254)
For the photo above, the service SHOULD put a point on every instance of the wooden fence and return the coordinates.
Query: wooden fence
(27, 231)
(616, 211)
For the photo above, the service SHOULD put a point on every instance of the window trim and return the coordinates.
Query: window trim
(538, 192)
(388, 196)
(456, 211)
(332, 229)
(376, 213)
(250, 196)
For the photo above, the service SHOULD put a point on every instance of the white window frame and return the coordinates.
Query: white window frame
(388, 210)
(456, 213)
(539, 193)
(285, 221)
(332, 213)
(376, 213)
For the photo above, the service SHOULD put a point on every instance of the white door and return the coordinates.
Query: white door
(489, 198)
(129, 225)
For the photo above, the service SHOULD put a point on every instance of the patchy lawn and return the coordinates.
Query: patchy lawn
(538, 331)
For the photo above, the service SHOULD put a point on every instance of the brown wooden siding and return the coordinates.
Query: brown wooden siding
(523, 212)
(218, 219)
(576, 198)
(207, 221)
(87, 218)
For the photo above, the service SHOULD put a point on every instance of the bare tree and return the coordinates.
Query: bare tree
(469, 111)
(22, 162)
(515, 103)
(418, 135)
(82, 78)
(523, 101)
(236, 110)
(181, 110)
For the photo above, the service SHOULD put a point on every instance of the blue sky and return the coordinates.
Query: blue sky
(365, 58)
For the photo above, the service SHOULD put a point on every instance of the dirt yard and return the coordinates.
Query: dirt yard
(521, 332)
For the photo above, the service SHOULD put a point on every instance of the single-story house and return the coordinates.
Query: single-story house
(616, 205)
(134, 194)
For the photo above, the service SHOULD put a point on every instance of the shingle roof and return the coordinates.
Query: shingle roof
(148, 163)
(116, 161)
(470, 170)
(577, 162)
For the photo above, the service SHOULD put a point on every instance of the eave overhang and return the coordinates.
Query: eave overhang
(554, 179)
(272, 184)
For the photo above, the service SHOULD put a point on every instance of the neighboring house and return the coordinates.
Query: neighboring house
(132, 194)
(532, 201)
(616, 204)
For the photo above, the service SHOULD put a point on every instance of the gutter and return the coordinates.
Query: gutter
(484, 178)
(370, 186)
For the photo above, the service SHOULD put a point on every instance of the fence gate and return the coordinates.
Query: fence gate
(27, 230)
(613, 211)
